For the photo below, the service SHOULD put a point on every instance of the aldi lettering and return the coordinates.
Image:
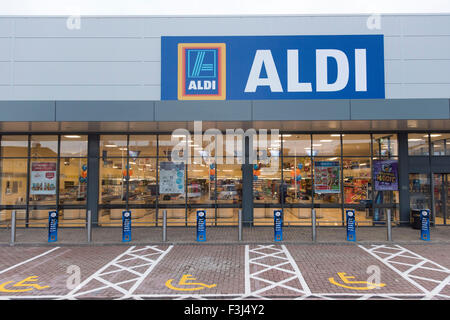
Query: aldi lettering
(272, 67)
(263, 58)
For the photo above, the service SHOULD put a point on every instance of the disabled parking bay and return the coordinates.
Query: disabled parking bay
(213, 271)
(187, 270)
(44, 272)
(339, 271)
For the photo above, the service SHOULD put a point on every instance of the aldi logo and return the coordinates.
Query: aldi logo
(201, 71)
(272, 67)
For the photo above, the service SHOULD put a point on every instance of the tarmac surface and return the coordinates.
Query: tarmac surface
(254, 268)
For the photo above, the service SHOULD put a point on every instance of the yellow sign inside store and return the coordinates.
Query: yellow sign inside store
(354, 285)
(185, 284)
(24, 284)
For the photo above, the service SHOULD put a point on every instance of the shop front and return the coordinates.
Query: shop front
(329, 172)
(237, 116)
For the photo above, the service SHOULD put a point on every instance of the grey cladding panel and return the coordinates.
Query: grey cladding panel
(89, 27)
(301, 110)
(105, 111)
(86, 49)
(27, 111)
(87, 73)
(400, 109)
(203, 110)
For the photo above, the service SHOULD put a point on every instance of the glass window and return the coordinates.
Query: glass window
(74, 146)
(201, 183)
(356, 144)
(44, 146)
(419, 191)
(357, 180)
(142, 146)
(229, 184)
(297, 180)
(167, 143)
(326, 144)
(143, 187)
(266, 183)
(329, 216)
(113, 180)
(385, 145)
(327, 180)
(43, 180)
(212, 144)
(296, 145)
(113, 146)
(73, 181)
(418, 144)
(440, 144)
(14, 146)
(13, 181)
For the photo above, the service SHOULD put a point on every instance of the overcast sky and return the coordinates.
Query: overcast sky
(224, 7)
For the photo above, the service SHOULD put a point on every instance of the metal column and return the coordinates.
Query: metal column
(13, 227)
(313, 224)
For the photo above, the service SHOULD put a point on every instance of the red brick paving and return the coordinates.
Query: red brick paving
(223, 265)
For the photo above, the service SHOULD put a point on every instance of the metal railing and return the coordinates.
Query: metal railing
(240, 226)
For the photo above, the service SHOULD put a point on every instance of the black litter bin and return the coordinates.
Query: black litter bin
(415, 219)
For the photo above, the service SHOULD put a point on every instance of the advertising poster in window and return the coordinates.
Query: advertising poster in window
(326, 177)
(171, 178)
(43, 178)
(385, 175)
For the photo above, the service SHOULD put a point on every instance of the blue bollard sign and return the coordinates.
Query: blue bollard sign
(126, 226)
(52, 226)
(351, 226)
(425, 225)
(201, 225)
(278, 225)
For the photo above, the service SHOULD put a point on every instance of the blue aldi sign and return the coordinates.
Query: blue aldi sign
(53, 226)
(126, 226)
(351, 226)
(425, 225)
(201, 225)
(272, 67)
(278, 225)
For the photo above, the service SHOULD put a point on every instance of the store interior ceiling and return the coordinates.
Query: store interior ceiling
(283, 126)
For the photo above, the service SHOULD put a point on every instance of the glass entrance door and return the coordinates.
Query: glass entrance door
(442, 198)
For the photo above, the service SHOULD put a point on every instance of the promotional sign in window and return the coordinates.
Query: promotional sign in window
(351, 226)
(272, 67)
(278, 225)
(385, 175)
(171, 178)
(52, 226)
(326, 177)
(43, 178)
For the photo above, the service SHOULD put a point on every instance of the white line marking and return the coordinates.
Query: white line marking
(26, 261)
(412, 282)
(247, 271)
(403, 252)
(147, 272)
(98, 272)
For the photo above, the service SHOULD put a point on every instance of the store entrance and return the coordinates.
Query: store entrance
(442, 197)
